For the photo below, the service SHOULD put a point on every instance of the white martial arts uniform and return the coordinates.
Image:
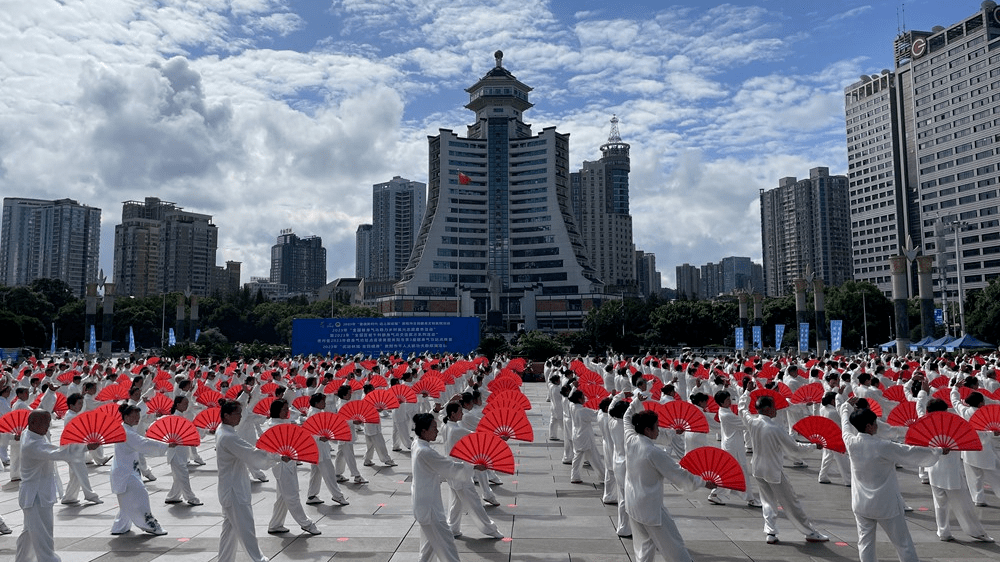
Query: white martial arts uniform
(981, 467)
(286, 492)
(951, 495)
(79, 478)
(583, 442)
(345, 449)
(831, 458)
(734, 442)
(126, 483)
(235, 457)
(36, 496)
(610, 495)
(324, 471)
(556, 413)
(646, 466)
(177, 458)
(616, 429)
(875, 495)
(429, 469)
(463, 490)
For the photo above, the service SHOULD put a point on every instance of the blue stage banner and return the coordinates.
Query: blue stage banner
(836, 334)
(779, 334)
(803, 337)
(758, 337)
(92, 347)
(131, 340)
(938, 317)
(372, 336)
(739, 339)
(171, 337)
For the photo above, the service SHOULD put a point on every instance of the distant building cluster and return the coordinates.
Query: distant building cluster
(730, 275)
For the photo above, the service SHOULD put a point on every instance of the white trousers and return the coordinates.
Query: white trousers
(665, 538)
(959, 502)
(555, 424)
(400, 430)
(483, 479)
(133, 508)
(624, 528)
(237, 525)
(436, 539)
(975, 476)
(591, 455)
(466, 497)
(895, 528)
(831, 458)
(79, 479)
(739, 452)
(345, 456)
(15, 461)
(181, 488)
(286, 497)
(376, 444)
(782, 494)
(324, 472)
(35, 541)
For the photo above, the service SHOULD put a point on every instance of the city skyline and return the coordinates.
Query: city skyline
(281, 114)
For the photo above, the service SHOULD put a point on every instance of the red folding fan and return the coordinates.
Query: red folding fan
(95, 426)
(808, 393)
(939, 381)
(822, 431)
(986, 418)
(233, 392)
(329, 425)
(14, 422)
(382, 399)
(164, 385)
(485, 449)
(587, 376)
(896, 393)
(779, 400)
(298, 381)
(263, 406)
(378, 381)
(209, 397)
(174, 429)
(356, 384)
(110, 409)
(903, 415)
(208, 419)
(290, 440)
(429, 385)
(592, 403)
(114, 392)
(159, 404)
(503, 383)
(403, 393)
(333, 386)
(503, 402)
(268, 389)
(359, 410)
(784, 390)
(515, 396)
(67, 376)
(682, 415)
(301, 404)
(507, 422)
(945, 394)
(59, 408)
(943, 429)
(715, 465)
(594, 391)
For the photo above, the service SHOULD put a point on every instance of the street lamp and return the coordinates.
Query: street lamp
(958, 227)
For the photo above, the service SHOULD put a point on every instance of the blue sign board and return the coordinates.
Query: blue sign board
(938, 316)
(373, 336)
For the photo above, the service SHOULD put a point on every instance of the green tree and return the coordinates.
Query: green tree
(537, 346)
(982, 313)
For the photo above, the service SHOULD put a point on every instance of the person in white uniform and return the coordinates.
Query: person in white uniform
(653, 529)
(79, 478)
(463, 490)
(981, 467)
(584, 447)
(286, 492)
(323, 471)
(126, 482)
(733, 442)
(177, 458)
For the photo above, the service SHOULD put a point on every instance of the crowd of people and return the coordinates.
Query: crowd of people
(600, 408)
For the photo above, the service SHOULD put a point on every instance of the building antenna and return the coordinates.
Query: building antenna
(614, 136)
(901, 18)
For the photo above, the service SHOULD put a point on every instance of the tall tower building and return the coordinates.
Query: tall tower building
(805, 227)
(160, 248)
(688, 282)
(42, 239)
(711, 280)
(363, 252)
(298, 263)
(398, 207)
(646, 276)
(601, 207)
(499, 221)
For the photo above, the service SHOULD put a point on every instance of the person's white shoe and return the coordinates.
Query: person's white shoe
(491, 501)
(816, 536)
(313, 500)
(4, 529)
(772, 539)
(277, 530)
(195, 502)
(496, 535)
(753, 503)
(369, 463)
(312, 529)
(70, 502)
(341, 501)
(159, 532)
(360, 480)
(983, 538)
(390, 463)
(715, 500)
(341, 478)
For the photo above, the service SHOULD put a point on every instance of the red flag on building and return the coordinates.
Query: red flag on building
(463, 179)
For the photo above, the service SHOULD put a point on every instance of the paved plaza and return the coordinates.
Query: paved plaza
(544, 516)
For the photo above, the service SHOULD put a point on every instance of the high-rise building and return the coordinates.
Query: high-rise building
(298, 263)
(226, 280)
(646, 276)
(601, 207)
(363, 252)
(398, 207)
(711, 281)
(160, 248)
(688, 282)
(41, 239)
(805, 228)
(499, 234)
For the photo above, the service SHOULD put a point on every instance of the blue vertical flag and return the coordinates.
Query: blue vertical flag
(779, 334)
(803, 337)
(758, 337)
(739, 339)
(92, 348)
(196, 334)
(171, 338)
(131, 340)
(52, 348)
(836, 334)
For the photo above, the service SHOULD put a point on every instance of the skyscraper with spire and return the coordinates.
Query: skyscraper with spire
(499, 233)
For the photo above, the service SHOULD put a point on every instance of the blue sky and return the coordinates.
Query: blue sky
(273, 114)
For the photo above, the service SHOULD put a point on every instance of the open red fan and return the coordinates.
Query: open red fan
(403, 393)
(298, 381)
(939, 381)
(715, 465)
(359, 410)
(432, 386)
(301, 404)
(944, 393)
(208, 419)
(290, 440)
(233, 392)
(485, 449)
(503, 403)
(986, 418)
(943, 429)
(515, 396)
(67, 376)
(14, 422)
(587, 376)
(268, 389)
(779, 400)
(263, 406)
(822, 431)
(174, 429)
(504, 383)
(382, 399)
(59, 408)
(682, 415)
(784, 390)
(110, 409)
(333, 386)
(903, 415)
(356, 384)
(210, 397)
(113, 392)
(811, 393)
(164, 385)
(95, 426)
(378, 381)
(896, 393)
(507, 422)
(594, 391)
(592, 403)
(159, 404)
(329, 425)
